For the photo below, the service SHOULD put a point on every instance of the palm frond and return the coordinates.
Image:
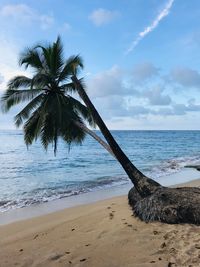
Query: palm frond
(46, 54)
(57, 59)
(52, 120)
(19, 81)
(73, 134)
(25, 112)
(68, 87)
(48, 132)
(31, 127)
(81, 109)
(14, 97)
(40, 79)
(31, 57)
(71, 67)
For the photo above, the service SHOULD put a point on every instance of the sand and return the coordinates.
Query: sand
(101, 234)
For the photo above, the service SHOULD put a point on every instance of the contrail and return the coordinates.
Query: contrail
(152, 26)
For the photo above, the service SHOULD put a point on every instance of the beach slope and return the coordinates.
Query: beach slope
(101, 234)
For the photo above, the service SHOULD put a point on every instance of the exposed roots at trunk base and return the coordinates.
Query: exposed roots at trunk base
(169, 205)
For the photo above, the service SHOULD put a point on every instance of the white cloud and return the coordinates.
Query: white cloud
(18, 11)
(107, 83)
(1, 78)
(111, 106)
(103, 16)
(156, 97)
(144, 71)
(46, 21)
(186, 77)
(9, 61)
(25, 14)
(152, 26)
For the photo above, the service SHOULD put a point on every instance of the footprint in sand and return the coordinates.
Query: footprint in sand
(197, 246)
(156, 232)
(36, 236)
(56, 257)
(163, 245)
(83, 260)
(111, 215)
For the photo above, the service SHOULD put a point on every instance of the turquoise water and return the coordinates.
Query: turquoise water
(35, 176)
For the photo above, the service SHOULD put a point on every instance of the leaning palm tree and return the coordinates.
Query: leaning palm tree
(150, 201)
(51, 112)
(57, 114)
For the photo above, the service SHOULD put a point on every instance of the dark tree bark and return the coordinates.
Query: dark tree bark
(144, 185)
(150, 201)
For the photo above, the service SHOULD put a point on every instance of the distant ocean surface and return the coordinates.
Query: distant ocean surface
(35, 176)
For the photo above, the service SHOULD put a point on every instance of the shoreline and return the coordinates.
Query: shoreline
(100, 234)
(41, 209)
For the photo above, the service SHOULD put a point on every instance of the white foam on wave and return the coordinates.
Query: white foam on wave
(164, 168)
(172, 166)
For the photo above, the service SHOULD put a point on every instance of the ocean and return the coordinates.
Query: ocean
(31, 176)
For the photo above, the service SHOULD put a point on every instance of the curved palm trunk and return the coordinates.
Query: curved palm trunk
(95, 136)
(144, 185)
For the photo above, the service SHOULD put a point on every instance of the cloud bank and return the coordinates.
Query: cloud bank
(152, 26)
(25, 14)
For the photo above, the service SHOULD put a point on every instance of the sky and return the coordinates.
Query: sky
(141, 58)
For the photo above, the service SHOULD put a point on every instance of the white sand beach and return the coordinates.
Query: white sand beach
(100, 234)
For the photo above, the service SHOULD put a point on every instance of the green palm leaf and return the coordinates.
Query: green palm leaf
(57, 57)
(31, 57)
(81, 109)
(25, 112)
(71, 67)
(68, 88)
(32, 127)
(14, 97)
(51, 113)
(41, 80)
(19, 81)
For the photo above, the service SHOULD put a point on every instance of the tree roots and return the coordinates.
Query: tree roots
(169, 205)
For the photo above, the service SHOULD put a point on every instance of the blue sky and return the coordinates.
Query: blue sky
(142, 63)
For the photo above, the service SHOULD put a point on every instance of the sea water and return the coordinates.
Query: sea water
(30, 176)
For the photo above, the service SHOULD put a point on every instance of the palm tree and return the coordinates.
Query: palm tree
(51, 112)
(144, 185)
(150, 201)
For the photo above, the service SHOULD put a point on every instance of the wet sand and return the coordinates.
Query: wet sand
(101, 234)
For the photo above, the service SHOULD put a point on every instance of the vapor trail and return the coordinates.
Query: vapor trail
(152, 26)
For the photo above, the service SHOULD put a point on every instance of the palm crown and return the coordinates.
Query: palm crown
(51, 112)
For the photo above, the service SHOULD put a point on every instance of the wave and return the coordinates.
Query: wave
(42, 195)
(172, 166)
(67, 189)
